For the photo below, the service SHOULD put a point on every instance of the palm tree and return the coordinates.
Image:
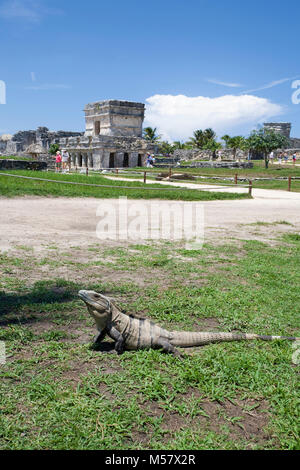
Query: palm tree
(177, 145)
(201, 138)
(150, 134)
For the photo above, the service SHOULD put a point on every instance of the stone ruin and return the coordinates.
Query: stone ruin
(209, 155)
(22, 140)
(113, 137)
(284, 128)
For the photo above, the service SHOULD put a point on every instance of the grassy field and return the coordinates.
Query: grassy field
(258, 171)
(57, 392)
(11, 187)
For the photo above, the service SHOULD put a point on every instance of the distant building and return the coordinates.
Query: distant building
(283, 128)
(113, 137)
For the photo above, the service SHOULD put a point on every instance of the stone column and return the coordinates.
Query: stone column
(85, 160)
(119, 159)
(133, 159)
(78, 160)
(73, 160)
(97, 159)
(105, 159)
(90, 160)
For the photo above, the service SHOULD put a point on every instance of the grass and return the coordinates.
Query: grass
(57, 392)
(12, 187)
(258, 171)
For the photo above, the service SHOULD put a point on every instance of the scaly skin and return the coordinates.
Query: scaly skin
(135, 333)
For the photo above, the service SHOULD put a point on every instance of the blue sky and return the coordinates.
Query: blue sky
(195, 63)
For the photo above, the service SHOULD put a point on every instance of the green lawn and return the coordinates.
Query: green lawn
(258, 171)
(11, 187)
(57, 392)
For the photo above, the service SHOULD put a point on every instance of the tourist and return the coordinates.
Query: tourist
(65, 160)
(286, 157)
(280, 158)
(271, 157)
(149, 161)
(294, 158)
(58, 159)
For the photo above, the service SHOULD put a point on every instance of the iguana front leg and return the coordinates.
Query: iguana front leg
(119, 339)
(100, 336)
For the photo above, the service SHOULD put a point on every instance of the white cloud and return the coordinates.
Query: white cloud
(271, 84)
(228, 84)
(176, 117)
(31, 11)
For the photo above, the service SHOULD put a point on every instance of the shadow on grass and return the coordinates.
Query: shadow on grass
(43, 293)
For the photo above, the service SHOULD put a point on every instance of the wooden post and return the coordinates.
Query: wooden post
(117, 171)
(170, 172)
(290, 183)
(76, 169)
(145, 177)
(236, 178)
(87, 171)
(250, 188)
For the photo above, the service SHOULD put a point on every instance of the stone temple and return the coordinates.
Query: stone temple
(113, 137)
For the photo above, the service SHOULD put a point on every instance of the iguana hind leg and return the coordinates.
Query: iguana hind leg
(168, 348)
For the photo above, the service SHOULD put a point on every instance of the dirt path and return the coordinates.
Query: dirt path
(66, 222)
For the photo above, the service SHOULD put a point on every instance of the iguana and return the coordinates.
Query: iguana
(132, 332)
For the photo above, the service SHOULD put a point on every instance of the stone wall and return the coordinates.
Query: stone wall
(218, 164)
(222, 154)
(192, 154)
(22, 165)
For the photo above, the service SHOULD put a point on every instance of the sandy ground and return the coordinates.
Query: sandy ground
(67, 222)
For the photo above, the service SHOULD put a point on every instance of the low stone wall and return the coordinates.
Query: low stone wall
(193, 154)
(218, 164)
(22, 165)
(48, 159)
(222, 154)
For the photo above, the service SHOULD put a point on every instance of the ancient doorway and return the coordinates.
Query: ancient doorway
(126, 160)
(139, 160)
(111, 160)
(97, 127)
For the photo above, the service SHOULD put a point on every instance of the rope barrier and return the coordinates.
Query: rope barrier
(107, 186)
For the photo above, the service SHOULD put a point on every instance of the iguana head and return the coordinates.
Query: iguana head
(98, 305)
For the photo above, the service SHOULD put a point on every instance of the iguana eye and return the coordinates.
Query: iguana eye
(97, 296)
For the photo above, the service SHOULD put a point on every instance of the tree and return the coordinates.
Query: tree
(264, 142)
(151, 134)
(177, 145)
(235, 143)
(165, 147)
(53, 149)
(201, 138)
(226, 138)
(212, 145)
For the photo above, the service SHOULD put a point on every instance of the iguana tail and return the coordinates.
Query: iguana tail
(186, 339)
